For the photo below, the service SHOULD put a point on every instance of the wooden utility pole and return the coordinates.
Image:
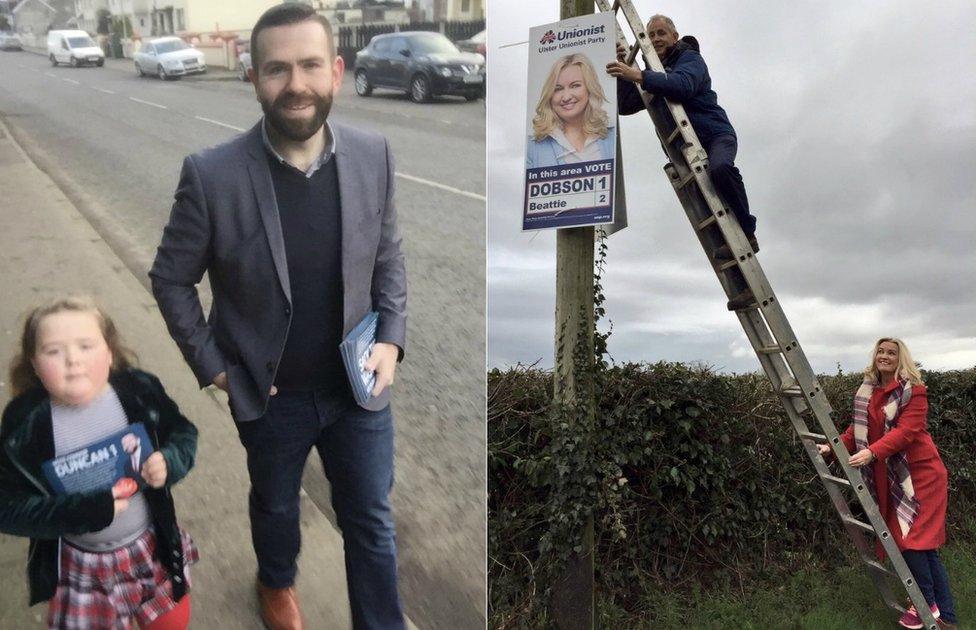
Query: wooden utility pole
(572, 603)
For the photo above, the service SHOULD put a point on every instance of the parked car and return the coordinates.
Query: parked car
(169, 58)
(243, 60)
(476, 43)
(10, 41)
(423, 64)
(73, 47)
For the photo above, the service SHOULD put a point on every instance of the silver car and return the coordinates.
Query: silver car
(243, 65)
(10, 41)
(169, 58)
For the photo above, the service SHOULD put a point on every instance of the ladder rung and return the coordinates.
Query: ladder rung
(674, 134)
(704, 224)
(816, 437)
(836, 480)
(687, 179)
(793, 390)
(880, 568)
(850, 520)
(632, 53)
(745, 309)
(727, 265)
(769, 350)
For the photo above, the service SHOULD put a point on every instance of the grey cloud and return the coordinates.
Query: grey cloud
(857, 128)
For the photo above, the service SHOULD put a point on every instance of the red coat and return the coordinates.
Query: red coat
(929, 476)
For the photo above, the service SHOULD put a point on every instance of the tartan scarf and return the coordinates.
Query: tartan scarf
(899, 479)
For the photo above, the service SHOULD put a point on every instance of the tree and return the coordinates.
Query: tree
(103, 18)
(121, 26)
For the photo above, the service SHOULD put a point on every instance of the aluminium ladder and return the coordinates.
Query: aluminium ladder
(767, 328)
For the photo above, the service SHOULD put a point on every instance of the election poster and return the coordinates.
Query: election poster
(102, 464)
(571, 135)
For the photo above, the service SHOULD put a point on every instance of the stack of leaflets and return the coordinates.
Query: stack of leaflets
(355, 349)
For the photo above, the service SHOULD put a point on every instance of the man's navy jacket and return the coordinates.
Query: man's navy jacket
(684, 81)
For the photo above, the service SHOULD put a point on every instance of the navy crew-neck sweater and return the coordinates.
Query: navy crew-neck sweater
(311, 224)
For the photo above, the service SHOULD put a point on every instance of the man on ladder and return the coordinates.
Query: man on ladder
(686, 81)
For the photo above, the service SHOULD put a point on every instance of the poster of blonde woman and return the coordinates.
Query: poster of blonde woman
(571, 124)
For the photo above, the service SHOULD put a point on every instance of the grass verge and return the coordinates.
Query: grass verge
(838, 599)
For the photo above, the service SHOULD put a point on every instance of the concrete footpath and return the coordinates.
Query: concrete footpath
(48, 249)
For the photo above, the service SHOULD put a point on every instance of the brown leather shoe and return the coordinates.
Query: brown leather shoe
(279, 608)
(743, 300)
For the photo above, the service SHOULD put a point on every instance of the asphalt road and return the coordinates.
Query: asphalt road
(115, 142)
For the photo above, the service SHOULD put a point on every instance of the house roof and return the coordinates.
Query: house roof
(24, 3)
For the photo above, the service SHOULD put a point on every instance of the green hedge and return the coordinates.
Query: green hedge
(703, 480)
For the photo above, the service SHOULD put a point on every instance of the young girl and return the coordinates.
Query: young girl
(107, 557)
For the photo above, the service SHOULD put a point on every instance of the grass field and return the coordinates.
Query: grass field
(842, 599)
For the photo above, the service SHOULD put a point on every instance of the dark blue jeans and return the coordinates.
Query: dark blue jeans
(728, 181)
(356, 447)
(932, 579)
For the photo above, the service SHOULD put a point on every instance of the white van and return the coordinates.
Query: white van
(73, 47)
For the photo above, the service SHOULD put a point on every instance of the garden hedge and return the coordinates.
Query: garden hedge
(692, 477)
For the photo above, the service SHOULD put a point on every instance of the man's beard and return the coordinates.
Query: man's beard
(297, 130)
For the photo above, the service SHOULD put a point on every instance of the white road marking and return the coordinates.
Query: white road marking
(412, 178)
(217, 122)
(150, 103)
(72, 81)
(456, 191)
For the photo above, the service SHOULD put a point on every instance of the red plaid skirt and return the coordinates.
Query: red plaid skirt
(114, 588)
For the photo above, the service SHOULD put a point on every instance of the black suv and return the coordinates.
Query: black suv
(423, 64)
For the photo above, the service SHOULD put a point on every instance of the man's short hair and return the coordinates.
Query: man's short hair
(283, 15)
(663, 18)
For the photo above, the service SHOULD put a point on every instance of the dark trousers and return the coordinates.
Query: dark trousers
(356, 447)
(932, 579)
(728, 181)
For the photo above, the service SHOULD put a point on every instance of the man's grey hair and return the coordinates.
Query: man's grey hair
(664, 19)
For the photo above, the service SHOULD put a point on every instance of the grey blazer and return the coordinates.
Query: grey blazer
(225, 222)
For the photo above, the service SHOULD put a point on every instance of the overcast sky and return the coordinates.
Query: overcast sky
(857, 143)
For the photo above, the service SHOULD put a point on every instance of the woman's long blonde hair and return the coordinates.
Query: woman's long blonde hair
(22, 374)
(595, 119)
(907, 370)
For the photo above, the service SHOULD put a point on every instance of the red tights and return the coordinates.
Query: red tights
(176, 619)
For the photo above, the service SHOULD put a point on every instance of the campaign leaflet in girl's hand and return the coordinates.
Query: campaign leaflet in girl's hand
(99, 465)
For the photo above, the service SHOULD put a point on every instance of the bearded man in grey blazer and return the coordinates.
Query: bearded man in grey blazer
(295, 224)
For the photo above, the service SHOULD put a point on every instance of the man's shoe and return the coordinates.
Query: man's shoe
(945, 625)
(725, 252)
(743, 300)
(911, 619)
(279, 608)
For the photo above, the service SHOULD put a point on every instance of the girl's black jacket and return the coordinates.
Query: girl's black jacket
(30, 507)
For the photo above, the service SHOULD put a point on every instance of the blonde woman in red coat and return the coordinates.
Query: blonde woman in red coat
(890, 442)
